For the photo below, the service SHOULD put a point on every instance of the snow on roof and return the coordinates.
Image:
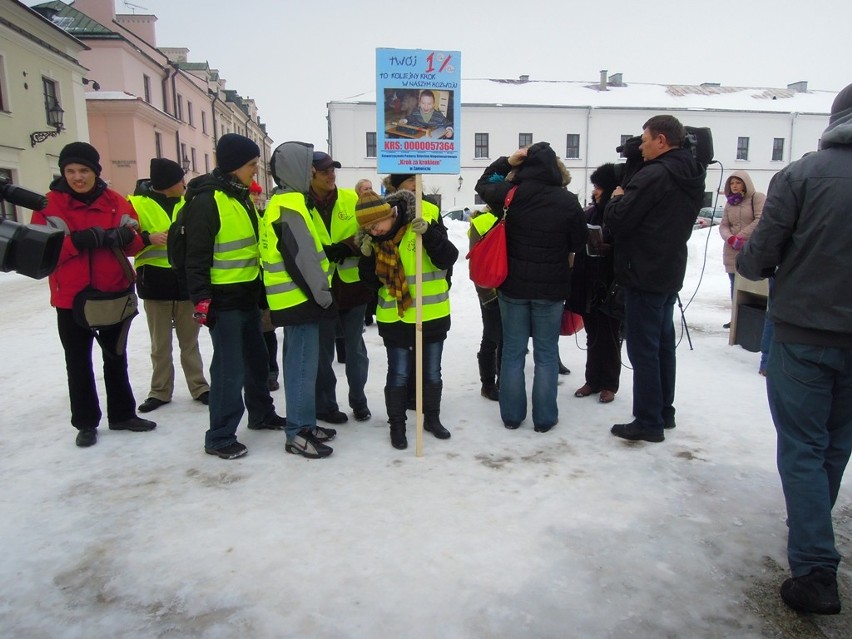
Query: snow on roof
(635, 95)
(110, 95)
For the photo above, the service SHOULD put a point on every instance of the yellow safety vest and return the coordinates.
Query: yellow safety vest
(154, 219)
(236, 256)
(343, 225)
(483, 222)
(436, 291)
(281, 291)
(429, 211)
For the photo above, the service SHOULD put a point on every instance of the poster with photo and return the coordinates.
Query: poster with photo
(418, 111)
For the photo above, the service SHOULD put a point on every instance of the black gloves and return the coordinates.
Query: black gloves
(121, 237)
(90, 238)
(95, 237)
(337, 252)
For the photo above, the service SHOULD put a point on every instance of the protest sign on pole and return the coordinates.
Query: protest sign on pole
(418, 112)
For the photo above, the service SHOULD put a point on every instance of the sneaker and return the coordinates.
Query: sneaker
(204, 398)
(490, 391)
(544, 429)
(152, 403)
(135, 424)
(306, 445)
(272, 421)
(361, 413)
(512, 425)
(324, 434)
(333, 417)
(815, 592)
(634, 432)
(231, 451)
(87, 437)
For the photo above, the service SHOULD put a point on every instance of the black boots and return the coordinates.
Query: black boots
(432, 410)
(396, 399)
(488, 375)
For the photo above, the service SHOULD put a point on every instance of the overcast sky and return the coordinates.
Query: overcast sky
(293, 57)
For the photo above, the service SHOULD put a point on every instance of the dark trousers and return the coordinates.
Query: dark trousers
(492, 331)
(603, 350)
(810, 397)
(649, 331)
(77, 343)
(239, 363)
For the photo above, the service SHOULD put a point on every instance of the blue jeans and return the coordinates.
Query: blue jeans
(522, 319)
(399, 364)
(357, 363)
(810, 397)
(301, 361)
(239, 363)
(650, 336)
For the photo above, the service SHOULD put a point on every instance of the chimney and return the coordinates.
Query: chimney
(799, 87)
(602, 86)
(524, 78)
(615, 80)
(142, 26)
(102, 11)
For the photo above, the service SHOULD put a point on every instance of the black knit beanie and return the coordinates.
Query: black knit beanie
(398, 178)
(80, 153)
(842, 105)
(233, 151)
(606, 177)
(165, 173)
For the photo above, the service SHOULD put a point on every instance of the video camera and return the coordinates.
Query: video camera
(31, 250)
(698, 140)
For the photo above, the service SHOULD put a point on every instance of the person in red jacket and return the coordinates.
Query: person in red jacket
(95, 219)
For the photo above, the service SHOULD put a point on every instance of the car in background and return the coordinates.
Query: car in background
(457, 214)
(709, 216)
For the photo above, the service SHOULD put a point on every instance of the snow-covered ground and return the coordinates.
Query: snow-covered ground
(491, 534)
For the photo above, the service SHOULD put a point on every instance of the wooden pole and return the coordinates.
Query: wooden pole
(418, 332)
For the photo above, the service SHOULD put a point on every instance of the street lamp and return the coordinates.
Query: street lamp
(54, 119)
(461, 180)
(185, 163)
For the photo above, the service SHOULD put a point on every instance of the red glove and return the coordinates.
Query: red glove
(736, 242)
(201, 310)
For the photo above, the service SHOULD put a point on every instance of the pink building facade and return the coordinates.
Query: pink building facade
(141, 104)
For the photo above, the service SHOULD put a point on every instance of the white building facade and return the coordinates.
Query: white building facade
(759, 130)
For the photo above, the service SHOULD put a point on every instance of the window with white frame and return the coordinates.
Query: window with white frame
(777, 149)
(371, 144)
(742, 148)
(572, 146)
(480, 145)
(524, 139)
(51, 97)
(4, 101)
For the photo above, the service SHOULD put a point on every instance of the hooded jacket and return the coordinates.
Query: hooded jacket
(544, 224)
(653, 220)
(202, 225)
(739, 219)
(804, 233)
(78, 269)
(291, 168)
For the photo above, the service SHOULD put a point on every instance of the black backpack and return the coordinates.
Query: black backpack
(176, 246)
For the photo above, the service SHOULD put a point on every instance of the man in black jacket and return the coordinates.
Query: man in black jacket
(651, 220)
(223, 278)
(804, 239)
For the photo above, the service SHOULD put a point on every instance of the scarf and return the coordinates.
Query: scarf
(390, 271)
(735, 198)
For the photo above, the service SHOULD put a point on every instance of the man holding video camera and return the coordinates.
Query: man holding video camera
(651, 219)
